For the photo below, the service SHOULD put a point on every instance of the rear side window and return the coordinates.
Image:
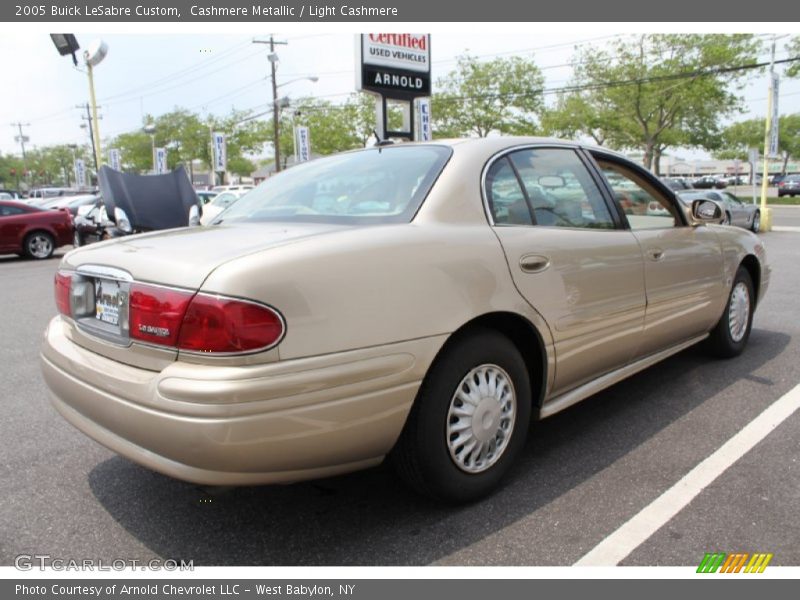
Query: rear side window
(548, 187)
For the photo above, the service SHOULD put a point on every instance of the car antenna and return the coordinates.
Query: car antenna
(381, 142)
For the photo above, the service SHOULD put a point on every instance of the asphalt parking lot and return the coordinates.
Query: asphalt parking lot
(583, 474)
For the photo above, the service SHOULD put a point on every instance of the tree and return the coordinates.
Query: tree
(477, 98)
(793, 48)
(575, 115)
(658, 91)
(738, 138)
(332, 127)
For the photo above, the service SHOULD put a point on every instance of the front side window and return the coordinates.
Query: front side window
(548, 187)
(643, 204)
(374, 186)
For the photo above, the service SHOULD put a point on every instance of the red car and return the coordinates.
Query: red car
(31, 231)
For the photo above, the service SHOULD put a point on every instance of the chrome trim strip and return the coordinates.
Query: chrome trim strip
(104, 272)
(582, 392)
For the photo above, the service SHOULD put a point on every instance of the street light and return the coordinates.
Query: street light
(67, 44)
(278, 104)
(150, 129)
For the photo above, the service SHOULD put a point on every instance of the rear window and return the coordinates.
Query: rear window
(374, 186)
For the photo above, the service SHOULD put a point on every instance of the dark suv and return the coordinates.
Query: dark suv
(790, 186)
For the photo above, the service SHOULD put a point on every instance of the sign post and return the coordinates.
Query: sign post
(395, 67)
(113, 159)
(302, 144)
(220, 154)
(161, 161)
(80, 172)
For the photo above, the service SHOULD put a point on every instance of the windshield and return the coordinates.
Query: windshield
(375, 186)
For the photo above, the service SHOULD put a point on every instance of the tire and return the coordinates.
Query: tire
(77, 239)
(727, 220)
(754, 227)
(39, 245)
(729, 336)
(428, 456)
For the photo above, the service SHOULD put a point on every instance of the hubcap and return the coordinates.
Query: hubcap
(40, 246)
(739, 311)
(481, 417)
(756, 223)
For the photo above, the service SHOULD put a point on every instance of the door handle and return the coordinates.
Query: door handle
(655, 254)
(534, 263)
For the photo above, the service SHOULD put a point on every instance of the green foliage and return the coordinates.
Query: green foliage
(793, 48)
(187, 137)
(640, 93)
(46, 166)
(737, 139)
(332, 127)
(477, 98)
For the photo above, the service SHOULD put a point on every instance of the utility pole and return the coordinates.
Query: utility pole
(89, 119)
(766, 216)
(22, 138)
(273, 64)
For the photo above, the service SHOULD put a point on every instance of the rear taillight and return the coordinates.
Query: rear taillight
(156, 313)
(62, 290)
(201, 322)
(227, 325)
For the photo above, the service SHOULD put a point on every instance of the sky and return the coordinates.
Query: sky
(211, 71)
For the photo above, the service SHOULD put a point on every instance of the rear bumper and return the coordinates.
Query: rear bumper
(273, 423)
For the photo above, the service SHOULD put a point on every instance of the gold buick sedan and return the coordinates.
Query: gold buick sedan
(421, 302)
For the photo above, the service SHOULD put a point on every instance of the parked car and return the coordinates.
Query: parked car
(71, 203)
(776, 179)
(232, 188)
(423, 302)
(789, 186)
(12, 194)
(735, 212)
(140, 203)
(709, 182)
(33, 232)
(218, 204)
(39, 196)
(677, 183)
(205, 196)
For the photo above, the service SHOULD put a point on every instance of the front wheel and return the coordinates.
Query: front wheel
(469, 420)
(727, 219)
(730, 335)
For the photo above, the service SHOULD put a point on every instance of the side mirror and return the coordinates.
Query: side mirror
(706, 211)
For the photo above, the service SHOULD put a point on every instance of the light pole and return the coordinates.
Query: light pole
(67, 44)
(278, 104)
(150, 129)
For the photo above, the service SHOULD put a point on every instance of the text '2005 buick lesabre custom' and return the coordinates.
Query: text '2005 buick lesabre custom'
(423, 302)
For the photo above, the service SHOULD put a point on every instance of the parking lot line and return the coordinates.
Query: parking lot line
(786, 228)
(619, 544)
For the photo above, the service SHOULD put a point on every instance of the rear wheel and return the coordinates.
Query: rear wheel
(469, 420)
(731, 333)
(756, 222)
(39, 245)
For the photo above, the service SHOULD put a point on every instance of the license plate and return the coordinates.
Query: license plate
(107, 301)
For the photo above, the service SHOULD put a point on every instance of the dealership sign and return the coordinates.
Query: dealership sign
(220, 152)
(80, 172)
(113, 159)
(395, 65)
(161, 160)
(302, 144)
